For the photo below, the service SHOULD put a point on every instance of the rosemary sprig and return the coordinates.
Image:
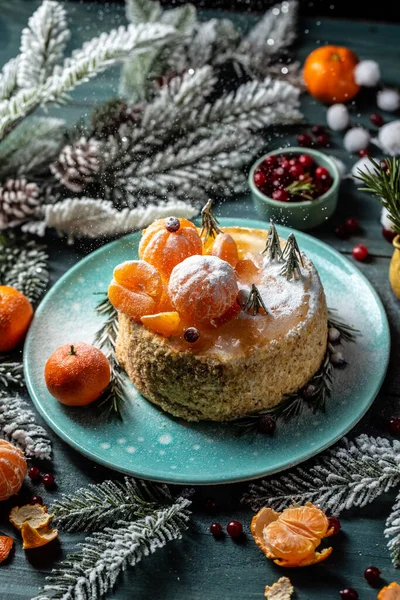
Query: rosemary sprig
(347, 333)
(385, 185)
(113, 398)
(253, 302)
(293, 259)
(209, 222)
(302, 188)
(273, 245)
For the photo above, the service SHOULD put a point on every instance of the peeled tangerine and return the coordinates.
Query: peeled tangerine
(136, 288)
(13, 469)
(165, 323)
(6, 543)
(390, 592)
(291, 537)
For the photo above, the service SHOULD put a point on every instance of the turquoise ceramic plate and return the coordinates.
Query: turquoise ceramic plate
(153, 445)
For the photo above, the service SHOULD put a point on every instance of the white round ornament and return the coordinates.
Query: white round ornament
(367, 73)
(356, 139)
(337, 117)
(389, 138)
(388, 100)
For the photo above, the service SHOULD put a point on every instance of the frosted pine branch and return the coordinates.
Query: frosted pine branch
(392, 532)
(8, 78)
(18, 425)
(91, 573)
(142, 11)
(23, 265)
(275, 32)
(351, 474)
(95, 507)
(11, 375)
(42, 44)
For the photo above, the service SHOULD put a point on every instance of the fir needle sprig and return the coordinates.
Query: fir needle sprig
(293, 259)
(252, 301)
(385, 185)
(209, 222)
(273, 248)
(113, 398)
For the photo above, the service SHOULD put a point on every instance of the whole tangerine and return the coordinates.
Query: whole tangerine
(16, 313)
(77, 374)
(329, 74)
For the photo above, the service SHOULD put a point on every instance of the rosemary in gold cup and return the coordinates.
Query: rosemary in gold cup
(383, 181)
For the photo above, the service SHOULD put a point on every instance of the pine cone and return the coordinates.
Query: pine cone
(18, 201)
(77, 165)
(107, 118)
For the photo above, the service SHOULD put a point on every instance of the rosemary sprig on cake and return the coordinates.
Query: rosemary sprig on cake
(273, 248)
(251, 301)
(293, 259)
(209, 222)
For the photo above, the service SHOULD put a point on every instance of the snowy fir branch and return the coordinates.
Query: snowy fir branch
(352, 474)
(43, 44)
(8, 78)
(392, 532)
(23, 265)
(95, 507)
(18, 425)
(94, 570)
(11, 376)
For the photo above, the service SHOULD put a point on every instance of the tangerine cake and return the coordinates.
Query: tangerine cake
(218, 324)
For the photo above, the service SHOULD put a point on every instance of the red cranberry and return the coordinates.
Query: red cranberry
(296, 171)
(384, 166)
(321, 172)
(259, 179)
(349, 594)
(376, 119)
(34, 473)
(280, 195)
(279, 172)
(388, 234)
(372, 574)
(277, 183)
(394, 426)
(285, 164)
(334, 524)
(216, 529)
(323, 140)
(306, 161)
(304, 140)
(318, 129)
(36, 500)
(48, 480)
(266, 424)
(363, 152)
(172, 224)
(360, 252)
(293, 161)
(211, 506)
(271, 161)
(352, 225)
(191, 335)
(234, 529)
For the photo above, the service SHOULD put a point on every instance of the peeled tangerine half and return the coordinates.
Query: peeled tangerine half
(35, 514)
(33, 538)
(291, 537)
(390, 592)
(165, 323)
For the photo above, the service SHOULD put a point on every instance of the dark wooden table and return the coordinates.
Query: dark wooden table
(198, 567)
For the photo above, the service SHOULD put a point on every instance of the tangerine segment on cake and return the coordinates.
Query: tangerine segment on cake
(243, 337)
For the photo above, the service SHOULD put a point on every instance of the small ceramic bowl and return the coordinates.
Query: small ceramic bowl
(300, 215)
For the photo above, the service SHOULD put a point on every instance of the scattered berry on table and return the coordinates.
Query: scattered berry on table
(216, 529)
(318, 129)
(376, 119)
(280, 195)
(352, 225)
(234, 529)
(337, 117)
(388, 234)
(260, 178)
(211, 506)
(360, 252)
(349, 594)
(36, 500)
(172, 224)
(364, 152)
(191, 335)
(334, 524)
(306, 161)
(372, 574)
(48, 480)
(266, 424)
(342, 232)
(323, 140)
(34, 473)
(304, 140)
(394, 426)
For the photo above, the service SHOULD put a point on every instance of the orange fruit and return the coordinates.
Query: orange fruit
(6, 543)
(291, 537)
(247, 271)
(165, 323)
(164, 248)
(224, 246)
(228, 315)
(77, 374)
(136, 288)
(15, 317)
(32, 538)
(13, 469)
(390, 592)
(165, 304)
(202, 288)
(329, 74)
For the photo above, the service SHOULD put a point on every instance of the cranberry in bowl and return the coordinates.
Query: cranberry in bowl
(295, 186)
